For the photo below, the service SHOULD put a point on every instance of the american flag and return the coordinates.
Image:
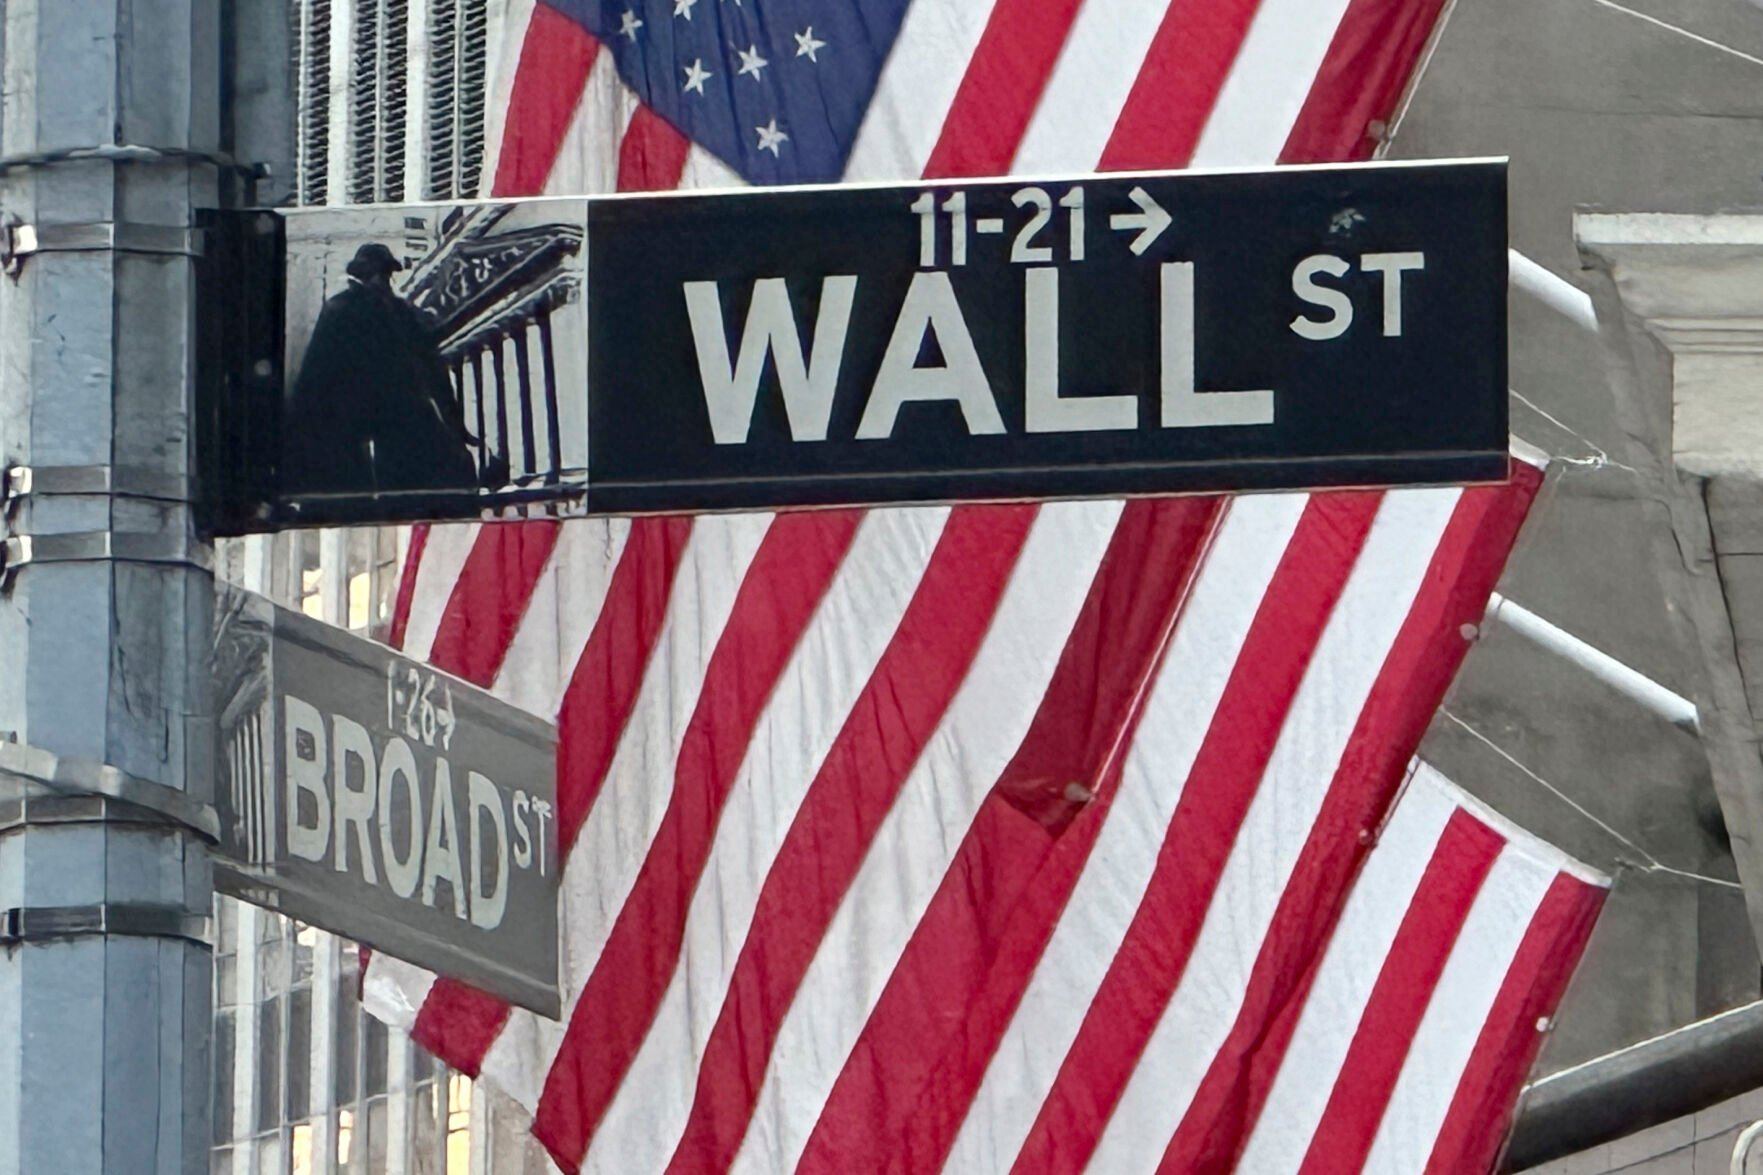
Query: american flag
(996, 836)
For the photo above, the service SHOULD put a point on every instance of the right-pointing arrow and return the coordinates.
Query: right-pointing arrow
(1150, 221)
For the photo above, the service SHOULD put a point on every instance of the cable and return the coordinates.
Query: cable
(1648, 864)
(1599, 458)
(1680, 31)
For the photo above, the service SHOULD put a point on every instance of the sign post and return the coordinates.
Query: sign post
(992, 339)
(381, 799)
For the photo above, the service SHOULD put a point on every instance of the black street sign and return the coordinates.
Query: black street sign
(1069, 338)
(990, 339)
(375, 797)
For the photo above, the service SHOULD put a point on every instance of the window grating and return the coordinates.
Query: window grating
(364, 106)
(394, 97)
(443, 100)
(473, 64)
(313, 46)
(404, 106)
(457, 79)
(378, 86)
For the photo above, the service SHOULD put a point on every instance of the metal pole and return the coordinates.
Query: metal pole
(1631, 683)
(1557, 293)
(105, 621)
(1646, 1083)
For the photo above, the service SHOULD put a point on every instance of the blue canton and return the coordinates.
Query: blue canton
(777, 89)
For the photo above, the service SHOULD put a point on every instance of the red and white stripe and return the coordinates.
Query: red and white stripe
(1003, 835)
(1476, 925)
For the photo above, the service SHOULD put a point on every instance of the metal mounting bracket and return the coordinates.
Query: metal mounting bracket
(78, 777)
(122, 481)
(138, 153)
(20, 241)
(99, 546)
(135, 919)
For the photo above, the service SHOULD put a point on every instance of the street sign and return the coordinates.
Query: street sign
(987, 339)
(368, 794)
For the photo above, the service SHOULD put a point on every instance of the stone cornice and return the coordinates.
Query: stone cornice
(1695, 283)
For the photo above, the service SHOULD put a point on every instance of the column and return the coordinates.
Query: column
(502, 444)
(553, 423)
(105, 1019)
(523, 368)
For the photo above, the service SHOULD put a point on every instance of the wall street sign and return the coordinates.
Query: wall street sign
(369, 794)
(987, 339)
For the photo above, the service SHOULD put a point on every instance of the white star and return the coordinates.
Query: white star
(696, 75)
(770, 137)
(806, 45)
(751, 62)
(683, 8)
(630, 26)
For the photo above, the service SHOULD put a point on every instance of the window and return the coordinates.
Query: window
(288, 1014)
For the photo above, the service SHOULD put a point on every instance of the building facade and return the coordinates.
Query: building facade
(305, 1081)
(351, 101)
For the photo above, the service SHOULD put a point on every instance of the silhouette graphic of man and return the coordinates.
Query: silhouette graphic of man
(372, 408)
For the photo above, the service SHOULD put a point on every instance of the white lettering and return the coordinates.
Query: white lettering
(403, 870)
(1183, 405)
(1044, 409)
(930, 305)
(1392, 266)
(487, 908)
(523, 835)
(306, 778)
(541, 818)
(440, 856)
(1341, 307)
(350, 740)
(730, 391)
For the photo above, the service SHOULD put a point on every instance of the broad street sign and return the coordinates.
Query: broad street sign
(985, 339)
(368, 794)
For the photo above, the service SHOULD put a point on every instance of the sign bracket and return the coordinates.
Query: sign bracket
(97, 546)
(20, 241)
(20, 924)
(121, 481)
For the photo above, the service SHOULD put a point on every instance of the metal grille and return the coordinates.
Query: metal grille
(443, 100)
(313, 141)
(458, 56)
(392, 98)
(473, 65)
(378, 90)
(364, 102)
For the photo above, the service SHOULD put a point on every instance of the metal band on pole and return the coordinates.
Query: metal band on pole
(100, 546)
(131, 919)
(71, 777)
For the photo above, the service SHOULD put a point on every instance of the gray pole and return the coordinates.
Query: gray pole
(105, 621)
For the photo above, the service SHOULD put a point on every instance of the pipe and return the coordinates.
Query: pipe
(1624, 1092)
(1631, 683)
(1557, 293)
(1741, 1148)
